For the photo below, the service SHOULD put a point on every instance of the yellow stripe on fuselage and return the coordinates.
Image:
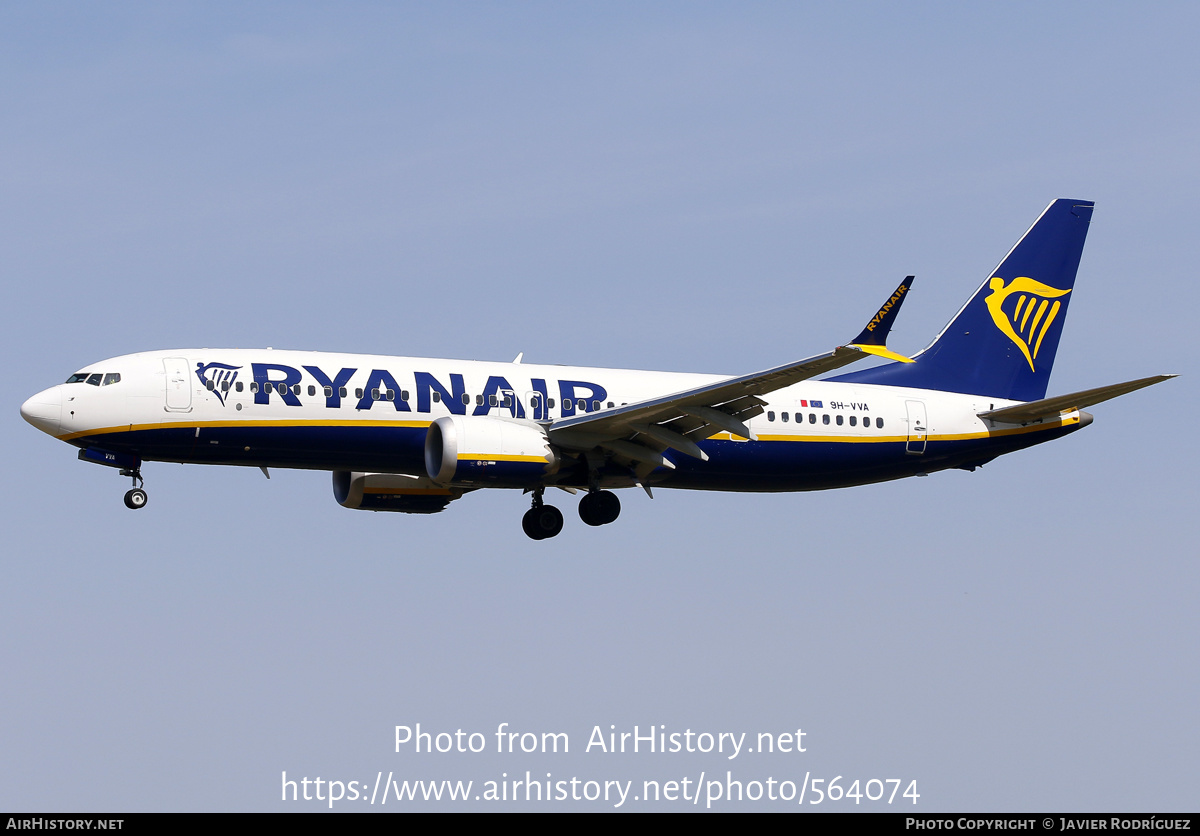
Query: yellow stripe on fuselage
(831, 437)
(259, 423)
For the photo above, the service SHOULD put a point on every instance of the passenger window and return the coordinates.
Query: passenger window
(253, 386)
(224, 385)
(403, 394)
(595, 406)
(853, 421)
(209, 385)
(784, 417)
(466, 399)
(839, 420)
(879, 423)
(825, 418)
(296, 389)
(479, 400)
(341, 391)
(312, 390)
(812, 417)
(328, 391)
(111, 378)
(550, 403)
(491, 400)
(437, 397)
(358, 393)
(770, 416)
(238, 386)
(610, 404)
(374, 394)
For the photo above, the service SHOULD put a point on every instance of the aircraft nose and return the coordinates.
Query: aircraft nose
(44, 410)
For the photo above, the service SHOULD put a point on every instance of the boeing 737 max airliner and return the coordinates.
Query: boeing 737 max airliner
(409, 434)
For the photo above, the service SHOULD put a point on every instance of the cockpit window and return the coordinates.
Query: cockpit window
(95, 378)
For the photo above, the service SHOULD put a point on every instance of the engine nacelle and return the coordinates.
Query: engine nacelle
(479, 450)
(391, 492)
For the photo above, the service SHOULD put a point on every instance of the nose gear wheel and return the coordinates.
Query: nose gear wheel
(135, 498)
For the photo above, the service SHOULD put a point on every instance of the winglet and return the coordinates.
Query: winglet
(873, 338)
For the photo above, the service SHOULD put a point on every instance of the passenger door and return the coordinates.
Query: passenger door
(179, 384)
(918, 428)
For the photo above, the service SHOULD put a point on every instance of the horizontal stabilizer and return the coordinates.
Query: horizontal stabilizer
(1053, 407)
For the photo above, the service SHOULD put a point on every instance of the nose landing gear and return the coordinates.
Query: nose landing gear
(136, 497)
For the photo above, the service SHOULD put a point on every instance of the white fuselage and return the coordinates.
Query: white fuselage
(371, 413)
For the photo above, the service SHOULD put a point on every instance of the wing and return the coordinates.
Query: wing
(1025, 413)
(641, 432)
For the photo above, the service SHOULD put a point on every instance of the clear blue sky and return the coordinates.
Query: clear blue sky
(690, 186)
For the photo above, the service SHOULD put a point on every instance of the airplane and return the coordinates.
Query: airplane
(412, 435)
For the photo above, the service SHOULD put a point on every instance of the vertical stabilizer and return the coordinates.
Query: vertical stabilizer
(1003, 341)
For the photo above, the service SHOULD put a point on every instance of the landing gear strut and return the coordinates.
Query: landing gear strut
(599, 507)
(135, 498)
(541, 521)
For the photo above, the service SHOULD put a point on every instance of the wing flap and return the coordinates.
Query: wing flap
(722, 395)
(724, 406)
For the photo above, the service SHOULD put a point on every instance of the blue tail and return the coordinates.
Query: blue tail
(1003, 341)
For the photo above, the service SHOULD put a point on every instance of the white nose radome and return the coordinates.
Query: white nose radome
(44, 410)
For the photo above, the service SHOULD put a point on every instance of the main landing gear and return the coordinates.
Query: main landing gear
(544, 521)
(541, 521)
(135, 498)
(599, 507)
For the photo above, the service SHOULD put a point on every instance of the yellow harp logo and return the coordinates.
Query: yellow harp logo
(1032, 315)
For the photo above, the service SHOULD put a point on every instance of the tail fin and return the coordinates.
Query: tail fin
(1003, 341)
